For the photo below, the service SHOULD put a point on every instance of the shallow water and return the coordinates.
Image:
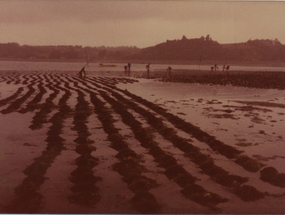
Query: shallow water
(94, 66)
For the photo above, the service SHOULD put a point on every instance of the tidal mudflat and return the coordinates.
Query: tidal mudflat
(113, 144)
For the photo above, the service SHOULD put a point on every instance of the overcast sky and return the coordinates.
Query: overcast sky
(138, 23)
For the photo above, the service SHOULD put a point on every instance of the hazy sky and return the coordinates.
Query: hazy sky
(138, 23)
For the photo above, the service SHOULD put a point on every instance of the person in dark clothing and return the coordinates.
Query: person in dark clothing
(129, 69)
(82, 72)
(147, 69)
(126, 70)
(169, 71)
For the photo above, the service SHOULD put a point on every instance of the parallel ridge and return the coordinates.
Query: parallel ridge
(203, 161)
(102, 91)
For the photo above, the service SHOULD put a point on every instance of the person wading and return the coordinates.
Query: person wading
(129, 69)
(82, 72)
(147, 69)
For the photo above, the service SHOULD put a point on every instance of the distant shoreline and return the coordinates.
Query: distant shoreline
(166, 62)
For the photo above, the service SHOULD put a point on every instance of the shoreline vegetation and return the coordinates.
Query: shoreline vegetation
(183, 51)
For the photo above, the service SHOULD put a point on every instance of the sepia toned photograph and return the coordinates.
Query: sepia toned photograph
(142, 107)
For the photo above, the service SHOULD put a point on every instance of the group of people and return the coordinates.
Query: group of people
(226, 67)
(215, 67)
(127, 70)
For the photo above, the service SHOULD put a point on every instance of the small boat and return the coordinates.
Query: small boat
(107, 65)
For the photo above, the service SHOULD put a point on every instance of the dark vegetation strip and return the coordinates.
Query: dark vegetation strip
(230, 152)
(3, 79)
(12, 97)
(9, 80)
(26, 79)
(266, 80)
(15, 105)
(173, 171)
(129, 166)
(272, 176)
(15, 78)
(250, 164)
(203, 161)
(41, 116)
(27, 198)
(32, 105)
(84, 190)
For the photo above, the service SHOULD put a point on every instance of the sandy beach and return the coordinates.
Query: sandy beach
(108, 143)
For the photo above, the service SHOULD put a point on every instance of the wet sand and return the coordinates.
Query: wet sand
(114, 144)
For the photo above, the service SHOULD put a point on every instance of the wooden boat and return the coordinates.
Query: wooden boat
(107, 65)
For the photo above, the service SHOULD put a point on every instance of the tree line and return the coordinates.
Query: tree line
(10, 51)
(198, 49)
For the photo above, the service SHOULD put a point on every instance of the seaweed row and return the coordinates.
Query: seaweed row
(15, 105)
(203, 161)
(44, 109)
(32, 105)
(129, 166)
(12, 97)
(27, 198)
(266, 80)
(173, 171)
(249, 164)
(85, 191)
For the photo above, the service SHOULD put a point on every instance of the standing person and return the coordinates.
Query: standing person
(129, 69)
(126, 70)
(147, 69)
(82, 71)
(169, 71)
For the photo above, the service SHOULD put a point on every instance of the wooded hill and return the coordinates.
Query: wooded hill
(199, 49)
(207, 49)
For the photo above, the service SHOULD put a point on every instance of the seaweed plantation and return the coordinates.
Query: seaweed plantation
(151, 148)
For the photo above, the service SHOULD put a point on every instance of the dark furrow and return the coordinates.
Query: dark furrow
(173, 171)
(205, 162)
(129, 166)
(84, 190)
(40, 117)
(32, 105)
(12, 97)
(250, 164)
(218, 174)
(15, 105)
(27, 198)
